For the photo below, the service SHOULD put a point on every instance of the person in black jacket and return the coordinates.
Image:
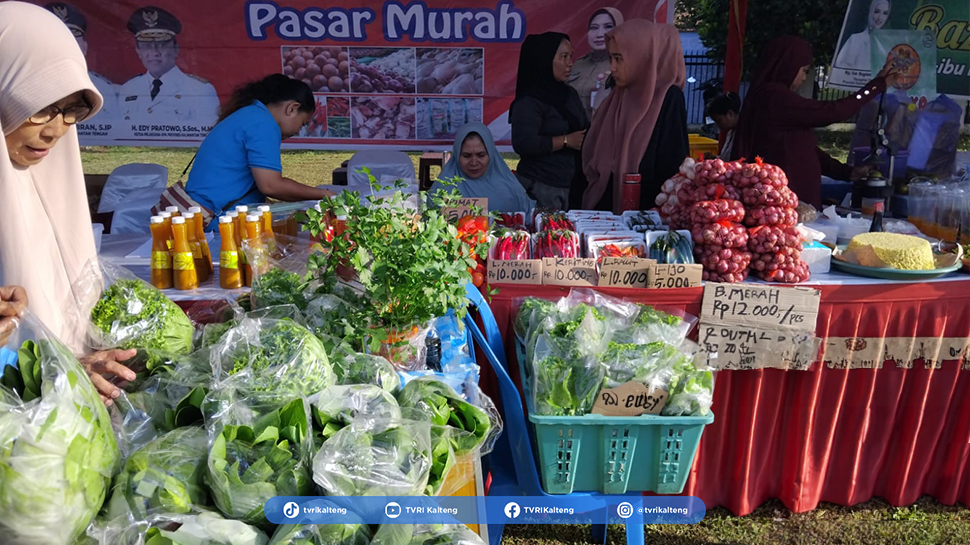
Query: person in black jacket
(548, 121)
(642, 126)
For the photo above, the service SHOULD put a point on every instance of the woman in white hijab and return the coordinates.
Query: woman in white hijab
(45, 226)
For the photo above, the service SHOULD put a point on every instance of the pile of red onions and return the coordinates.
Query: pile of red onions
(720, 239)
(775, 245)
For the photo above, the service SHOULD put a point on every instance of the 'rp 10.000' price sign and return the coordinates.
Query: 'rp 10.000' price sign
(625, 272)
(518, 271)
(566, 271)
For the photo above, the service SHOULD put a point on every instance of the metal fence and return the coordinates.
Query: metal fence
(700, 69)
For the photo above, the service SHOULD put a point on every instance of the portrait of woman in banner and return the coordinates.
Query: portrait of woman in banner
(855, 52)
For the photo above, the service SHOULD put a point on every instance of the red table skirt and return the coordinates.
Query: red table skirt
(829, 434)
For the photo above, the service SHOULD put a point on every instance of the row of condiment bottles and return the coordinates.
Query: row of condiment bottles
(180, 252)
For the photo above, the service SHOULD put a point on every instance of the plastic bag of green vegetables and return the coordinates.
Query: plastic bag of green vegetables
(280, 275)
(565, 375)
(476, 423)
(425, 534)
(212, 333)
(126, 312)
(336, 407)
(651, 325)
(280, 287)
(273, 355)
(654, 364)
(165, 476)
(200, 527)
(57, 449)
(691, 391)
(532, 311)
(375, 458)
(260, 448)
(357, 368)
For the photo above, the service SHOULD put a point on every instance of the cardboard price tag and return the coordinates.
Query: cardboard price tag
(566, 271)
(673, 276)
(732, 346)
(625, 272)
(517, 271)
(630, 399)
(766, 306)
(466, 207)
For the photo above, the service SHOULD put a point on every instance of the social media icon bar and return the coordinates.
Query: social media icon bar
(512, 510)
(291, 510)
(392, 510)
(625, 510)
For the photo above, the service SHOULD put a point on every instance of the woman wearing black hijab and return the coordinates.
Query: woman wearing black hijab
(548, 122)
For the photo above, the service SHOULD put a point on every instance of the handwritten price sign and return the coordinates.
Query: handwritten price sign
(466, 207)
(625, 272)
(524, 271)
(564, 271)
(761, 305)
(672, 276)
(630, 399)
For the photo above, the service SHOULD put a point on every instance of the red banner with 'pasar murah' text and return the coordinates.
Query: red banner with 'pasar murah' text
(403, 74)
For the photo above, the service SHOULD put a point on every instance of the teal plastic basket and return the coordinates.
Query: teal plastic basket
(613, 454)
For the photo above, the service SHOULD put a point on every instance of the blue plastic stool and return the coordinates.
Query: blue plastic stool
(512, 462)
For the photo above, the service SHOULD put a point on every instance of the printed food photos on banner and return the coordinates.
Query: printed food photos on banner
(324, 69)
(382, 70)
(317, 127)
(440, 118)
(338, 117)
(382, 118)
(451, 71)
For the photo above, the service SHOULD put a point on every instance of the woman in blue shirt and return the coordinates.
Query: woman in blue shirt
(239, 161)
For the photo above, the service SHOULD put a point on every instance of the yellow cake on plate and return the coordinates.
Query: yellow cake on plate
(903, 252)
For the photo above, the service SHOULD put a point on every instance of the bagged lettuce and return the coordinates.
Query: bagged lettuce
(269, 355)
(337, 406)
(166, 475)
(57, 449)
(475, 428)
(260, 449)
(375, 458)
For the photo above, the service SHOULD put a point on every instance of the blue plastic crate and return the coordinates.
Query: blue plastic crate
(613, 454)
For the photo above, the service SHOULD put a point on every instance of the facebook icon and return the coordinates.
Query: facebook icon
(512, 510)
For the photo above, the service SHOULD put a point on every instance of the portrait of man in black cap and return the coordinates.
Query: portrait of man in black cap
(164, 93)
(78, 25)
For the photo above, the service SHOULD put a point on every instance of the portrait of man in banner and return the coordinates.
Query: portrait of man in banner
(78, 26)
(164, 94)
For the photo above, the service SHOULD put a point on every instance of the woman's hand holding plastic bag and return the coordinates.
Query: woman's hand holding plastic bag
(13, 303)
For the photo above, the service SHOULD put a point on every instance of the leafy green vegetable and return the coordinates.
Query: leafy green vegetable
(133, 314)
(566, 388)
(359, 368)
(375, 458)
(57, 451)
(691, 391)
(321, 534)
(278, 355)
(337, 406)
(280, 287)
(248, 465)
(446, 408)
(532, 311)
(206, 528)
(653, 363)
(166, 475)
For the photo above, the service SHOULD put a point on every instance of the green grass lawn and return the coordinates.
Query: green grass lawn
(871, 523)
(309, 167)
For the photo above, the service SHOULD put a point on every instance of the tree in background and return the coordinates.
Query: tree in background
(818, 21)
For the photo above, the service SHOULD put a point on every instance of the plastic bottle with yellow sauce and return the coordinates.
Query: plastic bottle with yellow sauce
(183, 263)
(203, 242)
(167, 217)
(161, 272)
(239, 217)
(267, 218)
(254, 229)
(230, 275)
(174, 211)
(197, 256)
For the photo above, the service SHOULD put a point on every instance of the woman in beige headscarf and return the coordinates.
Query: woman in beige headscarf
(591, 70)
(642, 126)
(45, 226)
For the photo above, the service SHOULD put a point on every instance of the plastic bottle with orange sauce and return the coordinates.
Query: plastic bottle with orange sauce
(183, 262)
(167, 217)
(230, 275)
(174, 211)
(203, 242)
(254, 229)
(267, 218)
(197, 255)
(161, 271)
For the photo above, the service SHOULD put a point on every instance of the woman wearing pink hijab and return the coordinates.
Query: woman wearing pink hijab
(642, 126)
(45, 226)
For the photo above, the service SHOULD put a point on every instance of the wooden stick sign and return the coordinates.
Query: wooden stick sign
(630, 399)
